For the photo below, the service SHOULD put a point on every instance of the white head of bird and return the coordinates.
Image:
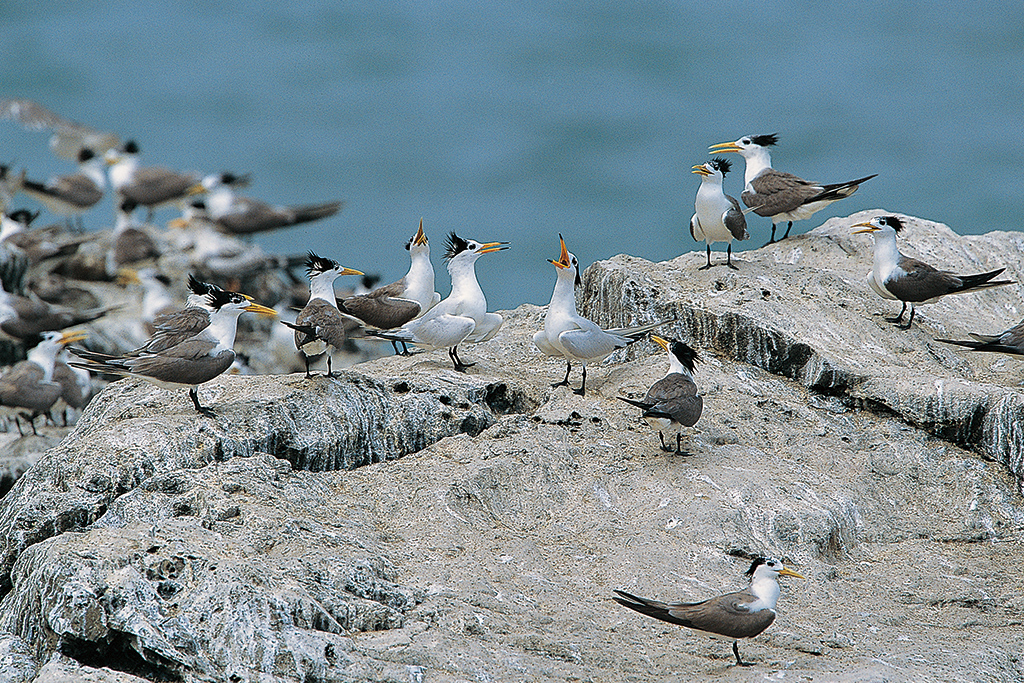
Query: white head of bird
(764, 576)
(462, 254)
(44, 354)
(322, 273)
(225, 308)
(417, 246)
(884, 230)
(15, 222)
(754, 149)
(682, 359)
(713, 172)
(567, 265)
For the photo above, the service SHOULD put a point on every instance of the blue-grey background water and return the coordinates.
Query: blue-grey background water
(517, 121)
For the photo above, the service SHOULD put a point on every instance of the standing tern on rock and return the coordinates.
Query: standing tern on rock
(320, 326)
(743, 614)
(189, 362)
(74, 194)
(900, 278)
(462, 316)
(718, 216)
(391, 306)
(672, 402)
(777, 195)
(148, 186)
(568, 334)
(28, 387)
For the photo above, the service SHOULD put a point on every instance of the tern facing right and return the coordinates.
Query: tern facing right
(900, 278)
(28, 388)
(568, 334)
(462, 316)
(718, 216)
(672, 402)
(743, 614)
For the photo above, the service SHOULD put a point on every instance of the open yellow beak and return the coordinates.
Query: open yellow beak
(492, 246)
(725, 147)
(663, 343)
(701, 169)
(867, 228)
(72, 337)
(563, 258)
(420, 239)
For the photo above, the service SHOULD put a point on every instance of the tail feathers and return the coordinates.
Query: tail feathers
(839, 190)
(651, 608)
(985, 343)
(314, 212)
(308, 330)
(981, 281)
(638, 404)
(637, 331)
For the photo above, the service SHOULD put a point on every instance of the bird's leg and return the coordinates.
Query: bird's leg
(308, 375)
(898, 318)
(709, 259)
(728, 257)
(394, 345)
(582, 391)
(772, 240)
(453, 353)
(679, 446)
(736, 651)
(910, 321)
(193, 394)
(664, 446)
(788, 228)
(405, 349)
(329, 365)
(565, 380)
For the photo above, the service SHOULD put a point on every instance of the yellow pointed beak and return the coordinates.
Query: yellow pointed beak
(867, 228)
(701, 169)
(178, 222)
(261, 310)
(563, 257)
(350, 271)
(72, 337)
(725, 147)
(420, 239)
(663, 343)
(127, 276)
(198, 188)
(492, 246)
(789, 572)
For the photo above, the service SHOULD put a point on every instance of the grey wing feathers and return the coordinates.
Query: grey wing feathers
(328, 321)
(726, 615)
(675, 397)
(735, 220)
(174, 328)
(777, 192)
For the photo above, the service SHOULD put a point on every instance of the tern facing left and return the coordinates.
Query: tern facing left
(672, 402)
(778, 195)
(743, 614)
(1010, 341)
(568, 334)
(462, 316)
(187, 363)
(900, 278)
(718, 216)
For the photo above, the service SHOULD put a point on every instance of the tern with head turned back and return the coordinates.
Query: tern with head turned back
(391, 306)
(462, 316)
(718, 216)
(569, 335)
(743, 614)
(320, 327)
(777, 195)
(187, 362)
(908, 280)
(672, 402)
(28, 388)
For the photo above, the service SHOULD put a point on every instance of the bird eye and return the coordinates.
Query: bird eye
(745, 141)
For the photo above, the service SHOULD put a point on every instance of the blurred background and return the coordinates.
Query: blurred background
(519, 123)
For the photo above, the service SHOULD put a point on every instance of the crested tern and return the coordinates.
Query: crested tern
(187, 362)
(149, 186)
(778, 195)
(28, 388)
(568, 334)
(73, 194)
(69, 137)
(462, 316)
(237, 215)
(742, 614)
(672, 402)
(718, 216)
(901, 278)
(1009, 341)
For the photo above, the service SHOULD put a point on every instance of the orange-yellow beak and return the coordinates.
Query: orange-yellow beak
(420, 239)
(867, 228)
(563, 258)
(725, 147)
(492, 246)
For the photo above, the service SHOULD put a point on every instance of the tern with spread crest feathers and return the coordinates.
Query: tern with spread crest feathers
(320, 327)
(672, 402)
(901, 278)
(777, 195)
(718, 216)
(462, 316)
(391, 306)
(568, 334)
(743, 614)
(196, 347)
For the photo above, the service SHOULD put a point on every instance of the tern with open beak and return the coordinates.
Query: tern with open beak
(743, 614)
(777, 195)
(901, 278)
(718, 216)
(28, 388)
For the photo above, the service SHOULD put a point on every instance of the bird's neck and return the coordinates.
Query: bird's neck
(563, 298)
(419, 281)
(45, 356)
(767, 590)
(223, 326)
(94, 172)
(219, 201)
(464, 282)
(322, 287)
(710, 189)
(757, 161)
(887, 254)
(676, 367)
(121, 172)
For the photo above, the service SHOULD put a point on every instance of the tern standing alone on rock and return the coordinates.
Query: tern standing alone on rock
(777, 195)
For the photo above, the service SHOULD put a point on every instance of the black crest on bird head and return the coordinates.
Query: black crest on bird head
(318, 264)
(221, 297)
(686, 355)
(893, 222)
(765, 140)
(454, 245)
(22, 216)
(722, 164)
(131, 147)
(198, 204)
(200, 288)
(758, 561)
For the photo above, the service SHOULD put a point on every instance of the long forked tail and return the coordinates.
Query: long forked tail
(314, 212)
(985, 343)
(839, 190)
(981, 281)
(638, 331)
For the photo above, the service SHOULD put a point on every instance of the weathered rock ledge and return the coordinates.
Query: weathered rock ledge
(402, 522)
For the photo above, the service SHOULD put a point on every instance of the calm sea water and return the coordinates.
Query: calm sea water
(551, 117)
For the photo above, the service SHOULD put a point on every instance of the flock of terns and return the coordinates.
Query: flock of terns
(194, 344)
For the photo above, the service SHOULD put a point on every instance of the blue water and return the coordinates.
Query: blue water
(519, 123)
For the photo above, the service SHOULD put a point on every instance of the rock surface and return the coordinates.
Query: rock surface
(403, 522)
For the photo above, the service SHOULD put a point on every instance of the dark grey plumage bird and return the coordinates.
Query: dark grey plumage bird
(908, 280)
(238, 215)
(28, 388)
(778, 195)
(73, 194)
(672, 402)
(743, 614)
(1009, 341)
(148, 186)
